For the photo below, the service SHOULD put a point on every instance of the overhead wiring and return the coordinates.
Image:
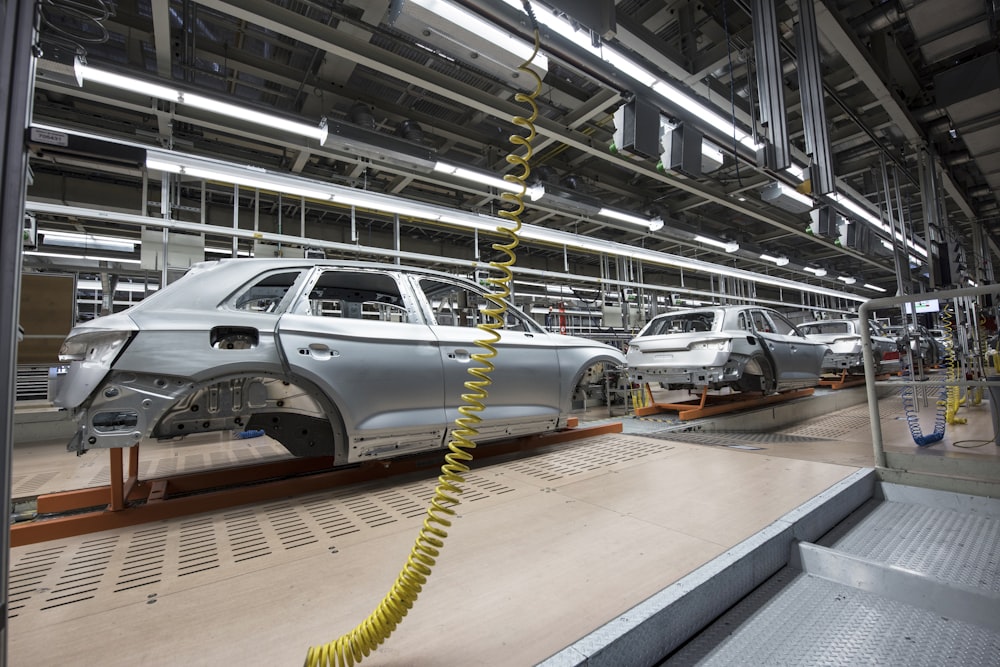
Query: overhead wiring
(55, 18)
(379, 625)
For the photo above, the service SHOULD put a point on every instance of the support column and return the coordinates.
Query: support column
(813, 106)
(770, 86)
(17, 35)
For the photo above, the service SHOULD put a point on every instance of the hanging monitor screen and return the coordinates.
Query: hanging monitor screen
(929, 306)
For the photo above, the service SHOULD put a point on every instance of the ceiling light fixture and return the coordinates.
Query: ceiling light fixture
(93, 258)
(624, 217)
(464, 34)
(728, 246)
(132, 84)
(269, 182)
(655, 224)
(175, 162)
(819, 273)
(481, 177)
(847, 279)
(780, 261)
(94, 241)
(874, 287)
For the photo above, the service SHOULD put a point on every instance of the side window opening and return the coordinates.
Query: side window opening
(455, 305)
(783, 326)
(358, 295)
(265, 295)
(760, 322)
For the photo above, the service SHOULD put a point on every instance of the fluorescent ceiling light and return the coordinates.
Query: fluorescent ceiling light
(388, 206)
(317, 132)
(624, 217)
(780, 261)
(466, 28)
(78, 240)
(94, 258)
(239, 176)
(391, 204)
(869, 217)
(874, 287)
(169, 94)
(728, 246)
(817, 272)
(129, 83)
(847, 279)
(120, 287)
(626, 65)
(477, 176)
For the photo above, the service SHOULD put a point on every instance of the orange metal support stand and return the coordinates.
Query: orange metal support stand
(131, 502)
(846, 380)
(716, 404)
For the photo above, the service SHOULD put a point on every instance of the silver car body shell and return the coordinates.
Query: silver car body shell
(846, 346)
(352, 388)
(724, 354)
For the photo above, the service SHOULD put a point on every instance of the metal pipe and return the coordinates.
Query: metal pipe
(864, 312)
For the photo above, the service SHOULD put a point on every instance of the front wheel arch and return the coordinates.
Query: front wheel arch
(758, 375)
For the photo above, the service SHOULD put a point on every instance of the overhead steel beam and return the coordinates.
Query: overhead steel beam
(847, 45)
(770, 85)
(290, 24)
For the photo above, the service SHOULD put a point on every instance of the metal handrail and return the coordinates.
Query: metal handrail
(869, 358)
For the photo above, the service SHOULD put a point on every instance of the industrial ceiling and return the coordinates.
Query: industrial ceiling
(909, 100)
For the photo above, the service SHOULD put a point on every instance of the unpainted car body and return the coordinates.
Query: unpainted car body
(353, 360)
(922, 345)
(844, 338)
(746, 348)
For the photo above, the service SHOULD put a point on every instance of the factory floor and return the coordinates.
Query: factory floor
(545, 549)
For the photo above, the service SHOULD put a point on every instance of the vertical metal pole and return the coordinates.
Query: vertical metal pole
(770, 86)
(165, 214)
(17, 35)
(236, 218)
(395, 236)
(813, 107)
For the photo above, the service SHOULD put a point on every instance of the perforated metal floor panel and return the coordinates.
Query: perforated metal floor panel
(131, 562)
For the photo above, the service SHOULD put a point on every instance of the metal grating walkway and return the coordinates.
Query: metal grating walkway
(800, 619)
(912, 578)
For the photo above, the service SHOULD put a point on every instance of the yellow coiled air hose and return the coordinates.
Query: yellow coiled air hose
(375, 629)
(953, 401)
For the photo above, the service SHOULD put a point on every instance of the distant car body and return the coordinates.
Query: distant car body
(921, 344)
(844, 339)
(352, 360)
(746, 348)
